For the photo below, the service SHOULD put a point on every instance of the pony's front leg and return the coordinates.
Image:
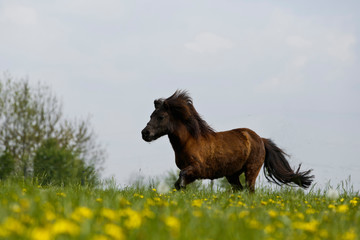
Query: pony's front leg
(186, 176)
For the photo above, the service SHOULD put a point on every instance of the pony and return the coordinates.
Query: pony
(203, 153)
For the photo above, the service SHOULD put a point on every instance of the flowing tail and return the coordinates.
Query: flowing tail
(278, 170)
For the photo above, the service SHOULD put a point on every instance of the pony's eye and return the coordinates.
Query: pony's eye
(160, 118)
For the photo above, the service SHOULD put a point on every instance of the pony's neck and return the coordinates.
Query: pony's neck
(179, 137)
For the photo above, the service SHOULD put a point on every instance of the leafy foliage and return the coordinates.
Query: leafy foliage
(31, 119)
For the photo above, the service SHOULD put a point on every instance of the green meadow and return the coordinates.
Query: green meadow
(30, 211)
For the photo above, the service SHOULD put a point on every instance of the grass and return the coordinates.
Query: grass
(28, 211)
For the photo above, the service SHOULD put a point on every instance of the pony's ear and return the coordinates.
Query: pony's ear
(158, 103)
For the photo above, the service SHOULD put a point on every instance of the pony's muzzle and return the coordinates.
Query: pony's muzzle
(146, 135)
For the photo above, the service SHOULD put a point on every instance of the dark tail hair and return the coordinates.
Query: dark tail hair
(278, 170)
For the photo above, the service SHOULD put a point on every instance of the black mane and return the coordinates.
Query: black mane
(180, 106)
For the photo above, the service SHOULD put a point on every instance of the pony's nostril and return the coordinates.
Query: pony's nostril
(145, 133)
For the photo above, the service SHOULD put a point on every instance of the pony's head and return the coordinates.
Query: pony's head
(159, 124)
(169, 113)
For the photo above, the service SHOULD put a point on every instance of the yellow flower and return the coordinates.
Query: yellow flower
(3, 232)
(133, 218)
(146, 212)
(244, 214)
(13, 225)
(263, 203)
(109, 214)
(154, 189)
(342, 208)
(173, 223)
(310, 211)
(99, 237)
(114, 231)
(82, 213)
(350, 235)
(41, 233)
(269, 229)
(64, 226)
(353, 202)
(331, 206)
(61, 194)
(272, 213)
(196, 203)
(307, 226)
(99, 200)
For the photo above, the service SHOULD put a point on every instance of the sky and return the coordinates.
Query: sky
(287, 70)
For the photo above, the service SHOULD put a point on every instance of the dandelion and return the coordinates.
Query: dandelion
(82, 213)
(272, 213)
(108, 213)
(173, 223)
(342, 208)
(353, 202)
(196, 203)
(133, 218)
(64, 226)
(13, 225)
(350, 235)
(333, 194)
(41, 233)
(307, 226)
(99, 200)
(114, 231)
(61, 194)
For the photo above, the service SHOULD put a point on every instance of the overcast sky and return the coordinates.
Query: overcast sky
(288, 70)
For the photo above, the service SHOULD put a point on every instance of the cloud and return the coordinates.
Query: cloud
(19, 14)
(298, 42)
(340, 46)
(208, 43)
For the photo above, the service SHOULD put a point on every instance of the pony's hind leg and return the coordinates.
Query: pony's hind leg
(235, 182)
(250, 177)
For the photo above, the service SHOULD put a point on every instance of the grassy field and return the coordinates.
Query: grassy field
(28, 211)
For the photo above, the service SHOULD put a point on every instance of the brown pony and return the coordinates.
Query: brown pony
(202, 153)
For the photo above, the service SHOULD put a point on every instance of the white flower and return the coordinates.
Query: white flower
(332, 194)
(163, 188)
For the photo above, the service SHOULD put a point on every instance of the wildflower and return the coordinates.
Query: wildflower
(41, 233)
(244, 214)
(133, 218)
(82, 213)
(350, 235)
(163, 188)
(307, 226)
(15, 208)
(99, 200)
(114, 231)
(331, 206)
(148, 213)
(269, 229)
(196, 203)
(13, 225)
(61, 194)
(108, 213)
(353, 202)
(263, 203)
(64, 226)
(99, 237)
(138, 195)
(342, 208)
(333, 194)
(310, 211)
(272, 213)
(173, 223)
